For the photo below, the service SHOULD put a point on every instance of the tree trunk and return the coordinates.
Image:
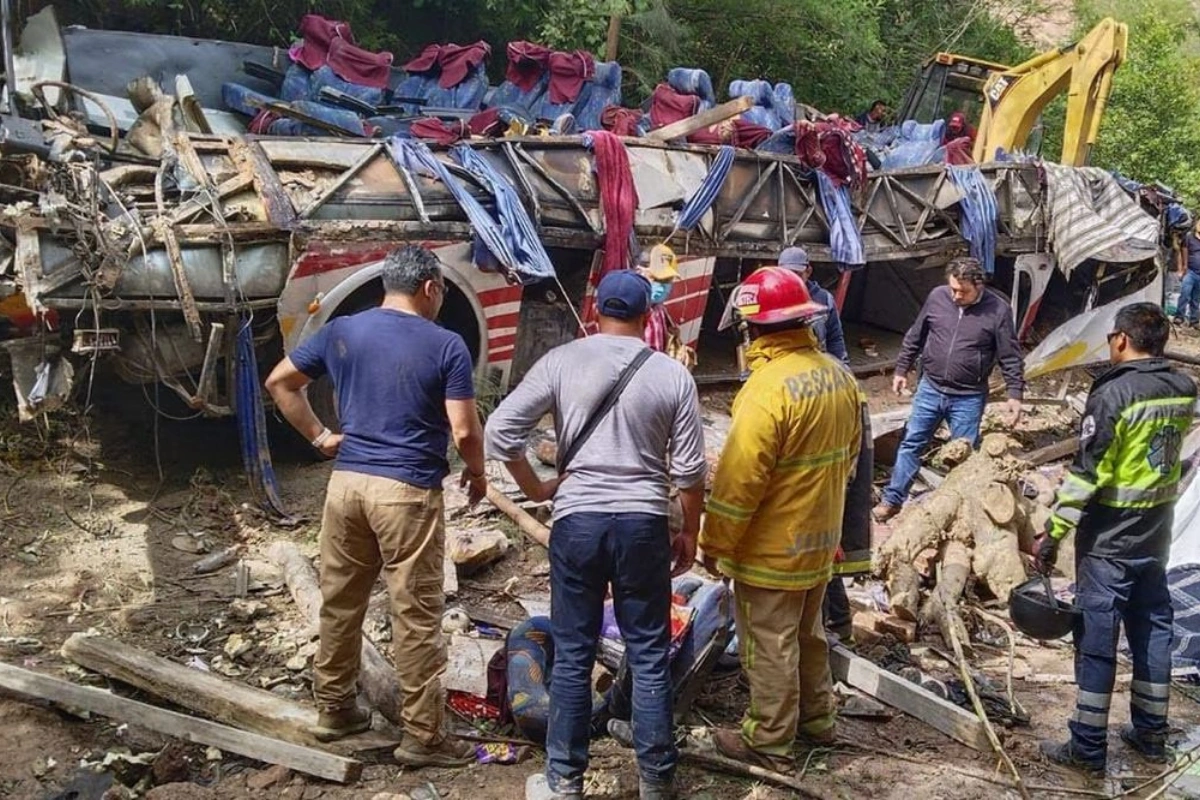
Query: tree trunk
(376, 677)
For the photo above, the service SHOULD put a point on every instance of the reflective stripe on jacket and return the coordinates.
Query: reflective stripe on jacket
(774, 519)
(1120, 493)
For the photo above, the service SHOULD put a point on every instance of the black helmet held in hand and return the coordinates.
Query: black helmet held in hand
(1037, 613)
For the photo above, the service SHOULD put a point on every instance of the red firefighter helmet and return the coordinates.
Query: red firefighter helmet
(772, 295)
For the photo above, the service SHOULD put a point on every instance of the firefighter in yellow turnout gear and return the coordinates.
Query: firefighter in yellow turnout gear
(774, 519)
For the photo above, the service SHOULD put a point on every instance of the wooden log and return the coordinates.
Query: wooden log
(957, 723)
(1052, 452)
(696, 122)
(210, 695)
(528, 525)
(252, 745)
(997, 556)
(904, 590)
(999, 503)
(731, 767)
(376, 677)
(952, 579)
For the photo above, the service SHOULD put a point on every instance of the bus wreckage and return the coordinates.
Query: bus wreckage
(185, 257)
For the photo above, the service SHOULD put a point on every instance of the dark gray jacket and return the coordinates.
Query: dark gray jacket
(960, 346)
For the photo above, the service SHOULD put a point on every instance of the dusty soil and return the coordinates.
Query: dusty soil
(90, 538)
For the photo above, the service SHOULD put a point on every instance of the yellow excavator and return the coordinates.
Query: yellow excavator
(1006, 103)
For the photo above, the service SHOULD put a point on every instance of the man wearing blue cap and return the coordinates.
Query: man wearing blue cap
(628, 423)
(829, 330)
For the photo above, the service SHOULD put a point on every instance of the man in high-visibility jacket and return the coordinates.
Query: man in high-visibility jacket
(775, 515)
(1120, 495)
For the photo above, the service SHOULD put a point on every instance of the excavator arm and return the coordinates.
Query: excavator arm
(1015, 98)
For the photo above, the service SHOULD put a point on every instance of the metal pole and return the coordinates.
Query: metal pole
(10, 71)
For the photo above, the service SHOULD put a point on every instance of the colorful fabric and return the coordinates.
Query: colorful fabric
(352, 63)
(459, 62)
(775, 514)
(317, 33)
(656, 329)
(618, 197)
(668, 105)
(568, 73)
(472, 708)
(527, 62)
(440, 131)
(620, 121)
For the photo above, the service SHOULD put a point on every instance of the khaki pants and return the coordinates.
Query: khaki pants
(785, 656)
(374, 523)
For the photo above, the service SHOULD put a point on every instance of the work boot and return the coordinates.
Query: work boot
(1064, 755)
(652, 790)
(825, 738)
(338, 724)
(884, 512)
(1152, 747)
(538, 788)
(449, 752)
(844, 634)
(731, 745)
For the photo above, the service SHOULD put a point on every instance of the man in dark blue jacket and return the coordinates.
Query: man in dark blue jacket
(963, 330)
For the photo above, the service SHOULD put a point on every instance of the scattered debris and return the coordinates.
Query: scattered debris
(473, 549)
(217, 560)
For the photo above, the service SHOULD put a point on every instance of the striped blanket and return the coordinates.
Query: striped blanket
(1091, 216)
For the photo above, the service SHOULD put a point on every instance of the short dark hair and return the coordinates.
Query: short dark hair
(1146, 326)
(878, 103)
(406, 269)
(966, 268)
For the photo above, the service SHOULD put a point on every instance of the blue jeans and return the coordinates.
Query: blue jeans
(588, 551)
(1109, 591)
(1189, 298)
(962, 413)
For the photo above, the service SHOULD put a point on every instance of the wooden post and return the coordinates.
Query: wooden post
(614, 37)
(181, 726)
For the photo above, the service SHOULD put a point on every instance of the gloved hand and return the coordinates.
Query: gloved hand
(1045, 553)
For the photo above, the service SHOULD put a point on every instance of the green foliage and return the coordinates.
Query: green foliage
(1151, 130)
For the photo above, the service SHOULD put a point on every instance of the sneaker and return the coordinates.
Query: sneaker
(648, 790)
(884, 512)
(449, 752)
(538, 788)
(1152, 747)
(1064, 755)
(731, 745)
(334, 725)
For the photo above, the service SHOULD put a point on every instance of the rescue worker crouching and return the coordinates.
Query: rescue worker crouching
(774, 519)
(1119, 496)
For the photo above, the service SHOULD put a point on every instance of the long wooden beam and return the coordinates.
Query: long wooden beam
(697, 122)
(252, 745)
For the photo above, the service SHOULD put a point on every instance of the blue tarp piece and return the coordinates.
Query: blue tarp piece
(845, 242)
(325, 76)
(508, 94)
(978, 218)
(915, 145)
(782, 141)
(785, 103)
(695, 82)
(416, 157)
(706, 193)
(763, 113)
(516, 226)
(606, 91)
(252, 425)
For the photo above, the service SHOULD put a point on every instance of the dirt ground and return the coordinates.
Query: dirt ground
(91, 538)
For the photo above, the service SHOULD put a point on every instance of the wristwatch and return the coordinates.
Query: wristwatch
(321, 437)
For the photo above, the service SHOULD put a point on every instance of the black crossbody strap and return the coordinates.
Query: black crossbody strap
(603, 408)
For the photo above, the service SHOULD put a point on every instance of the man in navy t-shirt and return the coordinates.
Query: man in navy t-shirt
(403, 386)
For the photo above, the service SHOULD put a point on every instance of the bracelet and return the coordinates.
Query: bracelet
(321, 437)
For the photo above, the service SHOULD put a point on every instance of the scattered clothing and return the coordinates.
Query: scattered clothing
(618, 197)
(439, 131)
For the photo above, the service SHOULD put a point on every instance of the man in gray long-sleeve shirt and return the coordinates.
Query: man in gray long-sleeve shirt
(610, 523)
(963, 330)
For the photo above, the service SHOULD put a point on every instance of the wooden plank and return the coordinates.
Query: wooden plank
(183, 287)
(702, 120)
(957, 723)
(252, 745)
(217, 698)
(528, 525)
(1052, 452)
